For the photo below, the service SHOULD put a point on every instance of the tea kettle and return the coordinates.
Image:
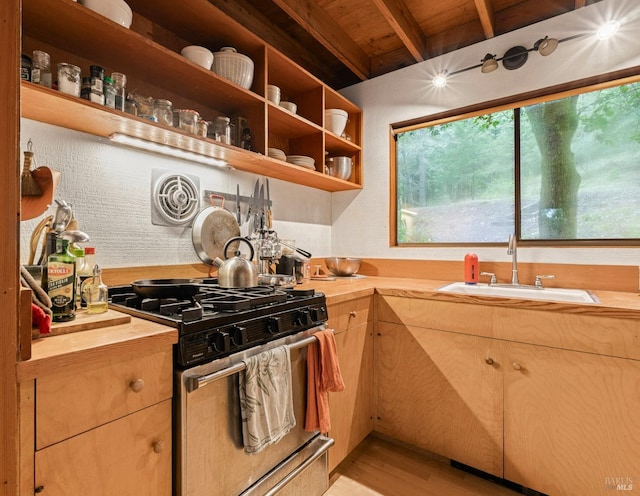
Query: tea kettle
(236, 272)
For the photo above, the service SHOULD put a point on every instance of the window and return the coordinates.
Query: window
(563, 169)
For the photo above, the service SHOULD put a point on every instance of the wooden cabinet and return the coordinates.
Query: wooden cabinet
(442, 392)
(571, 423)
(451, 378)
(149, 54)
(99, 426)
(352, 409)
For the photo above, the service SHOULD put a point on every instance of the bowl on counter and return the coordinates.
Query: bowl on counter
(116, 10)
(343, 266)
(234, 66)
(198, 55)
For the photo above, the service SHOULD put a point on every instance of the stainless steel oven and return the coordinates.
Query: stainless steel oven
(218, 329)
(210, 452)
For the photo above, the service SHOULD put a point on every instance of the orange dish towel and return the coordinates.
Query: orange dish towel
(323, 376)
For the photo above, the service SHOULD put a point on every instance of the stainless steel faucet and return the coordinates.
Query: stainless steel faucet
(513, 251)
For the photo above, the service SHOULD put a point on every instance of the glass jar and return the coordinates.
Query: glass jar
(120, 85)
(69, 79)
(163, 112)
(222, 129)
(109, 93)
(41, 68)
(25, 68)
(85, 88)
(97, 84)
(203, 128)
(188, 120)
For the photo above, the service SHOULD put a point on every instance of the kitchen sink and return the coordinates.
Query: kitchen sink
(526, 292)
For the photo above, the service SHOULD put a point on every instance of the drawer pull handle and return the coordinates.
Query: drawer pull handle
(517, 366)
(137, 385)
(158, 446)
(352, 313)
(488, 361)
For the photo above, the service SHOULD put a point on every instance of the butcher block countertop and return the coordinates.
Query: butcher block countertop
(141, 336)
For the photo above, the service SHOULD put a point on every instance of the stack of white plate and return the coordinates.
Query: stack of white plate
(276, 153)
(302, 161)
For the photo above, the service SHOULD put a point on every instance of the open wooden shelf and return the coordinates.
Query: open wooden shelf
(148, 54)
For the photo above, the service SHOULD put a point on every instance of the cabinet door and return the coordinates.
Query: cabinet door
(352, 409)
(571, 421)
(442, 392)
(128, 457)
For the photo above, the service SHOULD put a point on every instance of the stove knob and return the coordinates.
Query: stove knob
(274, 325)
(219, 341)
(319, 314)
(303, 318)
(238, 336)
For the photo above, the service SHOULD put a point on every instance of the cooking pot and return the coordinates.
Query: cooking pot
(237, 272)
(211, 229)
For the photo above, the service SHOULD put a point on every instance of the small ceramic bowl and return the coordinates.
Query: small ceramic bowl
(199, 55)
(290, 106)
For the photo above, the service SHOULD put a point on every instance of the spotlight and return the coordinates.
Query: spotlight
(489, 63)
(440, 79)
(607, 30)
(546, 46)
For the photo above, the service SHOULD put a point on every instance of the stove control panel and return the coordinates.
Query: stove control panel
(210, 344)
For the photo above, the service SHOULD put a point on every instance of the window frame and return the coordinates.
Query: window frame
(596, 83)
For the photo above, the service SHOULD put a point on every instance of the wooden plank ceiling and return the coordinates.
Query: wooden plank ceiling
(346, 41)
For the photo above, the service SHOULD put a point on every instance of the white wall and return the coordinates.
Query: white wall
(109, 187)
(360, 221)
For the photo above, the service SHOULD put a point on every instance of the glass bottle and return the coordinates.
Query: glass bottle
(119, 85)
(87, 270)
(25, 68)
(61, 282)
(222, 127)
(78, 252)
(95, 292)
(97, 84)
(109, 93)
(41, 68)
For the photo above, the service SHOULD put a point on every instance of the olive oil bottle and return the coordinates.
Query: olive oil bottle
(61, 282)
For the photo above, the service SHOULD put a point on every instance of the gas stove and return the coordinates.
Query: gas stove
(217, 321)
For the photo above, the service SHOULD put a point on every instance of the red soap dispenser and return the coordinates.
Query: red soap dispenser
(471, 272)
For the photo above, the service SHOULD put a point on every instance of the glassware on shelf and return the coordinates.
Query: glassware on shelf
(41, 68)
(163, 112)
(69, 79)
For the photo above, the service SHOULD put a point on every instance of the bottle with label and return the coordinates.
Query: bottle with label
(61, 282)
(87, 270)
(95, 292)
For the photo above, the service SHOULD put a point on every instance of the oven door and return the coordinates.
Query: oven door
(210, 453)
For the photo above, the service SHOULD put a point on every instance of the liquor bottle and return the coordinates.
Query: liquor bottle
(61, 282)
(87, 270)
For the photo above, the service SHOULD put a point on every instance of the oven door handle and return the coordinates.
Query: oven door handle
(327, 442)
(193, 383)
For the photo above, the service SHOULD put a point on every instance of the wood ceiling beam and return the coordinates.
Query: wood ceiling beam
(580, 3)
(487, 17)
(318, 24)
(405, 26)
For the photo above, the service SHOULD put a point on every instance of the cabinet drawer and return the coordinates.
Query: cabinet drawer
(130, 456)
(349, 314)
(83, 397)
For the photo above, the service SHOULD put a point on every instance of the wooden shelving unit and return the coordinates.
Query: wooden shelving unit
(148, 54)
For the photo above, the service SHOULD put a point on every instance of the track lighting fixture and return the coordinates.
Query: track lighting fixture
(517, 56)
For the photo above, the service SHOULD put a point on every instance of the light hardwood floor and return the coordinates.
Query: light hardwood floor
(380, 468)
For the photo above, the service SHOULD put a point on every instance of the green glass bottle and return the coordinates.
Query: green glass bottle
(61, 282)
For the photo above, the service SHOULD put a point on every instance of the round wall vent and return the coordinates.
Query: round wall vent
(175, 198)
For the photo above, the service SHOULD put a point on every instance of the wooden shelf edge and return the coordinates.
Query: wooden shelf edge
(49, 106)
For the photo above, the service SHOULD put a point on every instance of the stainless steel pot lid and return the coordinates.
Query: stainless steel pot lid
(212, 228)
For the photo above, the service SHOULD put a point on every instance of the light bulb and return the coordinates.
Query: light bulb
(607, 30)
(440, 79)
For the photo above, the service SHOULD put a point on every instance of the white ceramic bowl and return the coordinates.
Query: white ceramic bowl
(116, 10)
(199, 55)
(290, 106)
(273, 94)
(335, 120)
(233, 66)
